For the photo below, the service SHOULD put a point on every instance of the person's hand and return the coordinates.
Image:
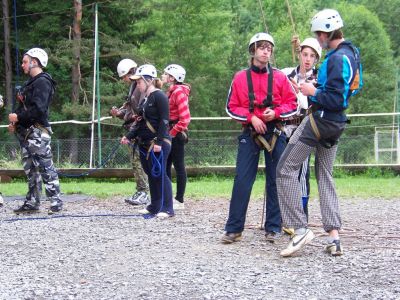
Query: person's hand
(296, 43)
(11, 128)
(124, 140)
(114, 111)
(258, 125)
(156, 148)
(307, 89)
(268, 115)
(13, 118)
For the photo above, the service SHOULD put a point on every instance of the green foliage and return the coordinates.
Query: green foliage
(208, 37)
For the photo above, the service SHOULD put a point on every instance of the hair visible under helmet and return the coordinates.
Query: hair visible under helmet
(327, 20)
(259, 37)
(313, 44)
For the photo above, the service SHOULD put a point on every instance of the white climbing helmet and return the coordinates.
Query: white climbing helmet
(176, 71)
(39, 54)
(261, 36)
(326, 20)
(313, 44)
(124, 66)
(145, 70)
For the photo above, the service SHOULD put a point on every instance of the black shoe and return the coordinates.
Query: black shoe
(273, 237)
(27, 208)
(55, 206)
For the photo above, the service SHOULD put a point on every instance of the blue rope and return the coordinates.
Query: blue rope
(157, 170)
(76, 216)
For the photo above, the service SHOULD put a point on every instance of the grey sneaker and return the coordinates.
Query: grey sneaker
(139, 198)
(273, 237)
(231, 237)
(334, 248)
(55, 206)
(297, 241)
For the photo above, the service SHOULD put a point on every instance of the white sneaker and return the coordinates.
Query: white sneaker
(179, 205)
(143, 211)
(297, 242)
(163, 215)
(1, 200)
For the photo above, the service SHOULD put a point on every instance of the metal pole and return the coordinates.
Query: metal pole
(94, 87)
(98, 89)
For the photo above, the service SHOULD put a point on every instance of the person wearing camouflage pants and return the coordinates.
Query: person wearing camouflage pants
(128, 113)
(30, 124)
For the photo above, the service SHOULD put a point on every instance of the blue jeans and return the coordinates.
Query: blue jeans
(246, 170)
(160, 186)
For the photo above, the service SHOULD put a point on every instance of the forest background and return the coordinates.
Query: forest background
(208, 37)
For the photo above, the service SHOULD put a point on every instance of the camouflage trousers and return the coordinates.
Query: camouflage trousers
(142, 183)
(37, 161)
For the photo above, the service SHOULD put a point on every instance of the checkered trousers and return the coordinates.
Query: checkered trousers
(301, 145)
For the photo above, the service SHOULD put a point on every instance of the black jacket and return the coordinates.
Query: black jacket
(37, 94)
(155, 110)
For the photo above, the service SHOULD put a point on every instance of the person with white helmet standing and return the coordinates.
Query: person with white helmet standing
(339, 77)
(152, 137)
(31, 125)
(259, 98)
(179, 119)
(309, 54)
(128, 112)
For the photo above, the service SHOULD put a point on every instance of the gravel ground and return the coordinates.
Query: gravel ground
(129, 257)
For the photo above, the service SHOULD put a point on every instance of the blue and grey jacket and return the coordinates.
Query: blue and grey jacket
(335, 78)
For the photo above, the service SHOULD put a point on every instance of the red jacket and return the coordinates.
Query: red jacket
(284, 98)
(179, 114)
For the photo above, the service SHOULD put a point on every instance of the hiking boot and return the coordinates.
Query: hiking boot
(273, 237)
(27, 207)
(139, 198)
(55, 206)
(179, 205)
(297, 241)
(231, 237)
(334, 248)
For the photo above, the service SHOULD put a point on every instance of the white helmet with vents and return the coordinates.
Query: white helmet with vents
(124, 66)
(176, 71)
(145, 70)
(326, 20)
(39, 54)
(261, 36)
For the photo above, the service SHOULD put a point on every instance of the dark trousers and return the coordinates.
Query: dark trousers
(177, 158)
(246, 171)
(160, 184)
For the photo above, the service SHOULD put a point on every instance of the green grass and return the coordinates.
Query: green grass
(348, 186)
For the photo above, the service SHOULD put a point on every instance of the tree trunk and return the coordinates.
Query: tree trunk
(7, 56)
(76, 72)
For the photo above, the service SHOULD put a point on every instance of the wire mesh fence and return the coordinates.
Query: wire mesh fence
(364, 142)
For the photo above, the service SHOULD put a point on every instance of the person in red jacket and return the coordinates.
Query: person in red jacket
(259, 98)
(179, 119)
